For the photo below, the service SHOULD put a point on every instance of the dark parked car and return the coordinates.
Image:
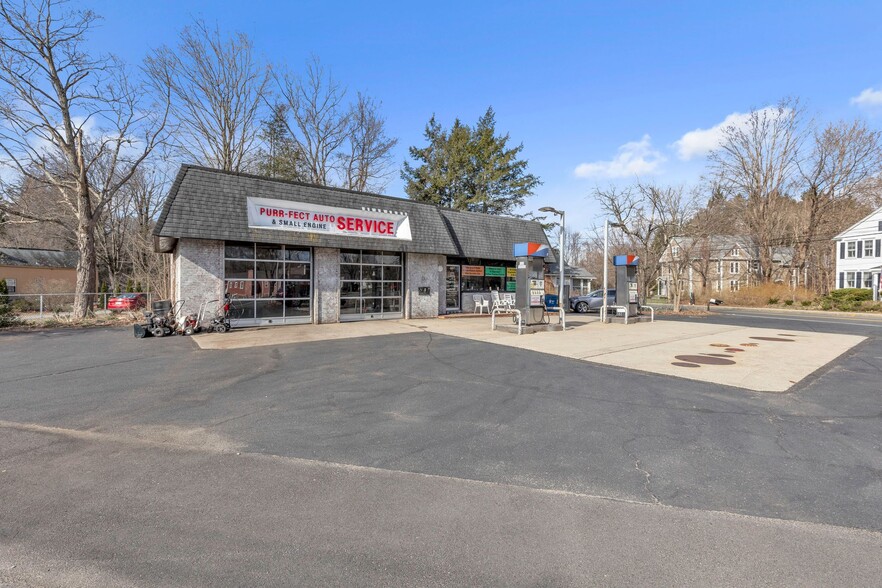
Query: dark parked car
(593, 301)
(127, 302)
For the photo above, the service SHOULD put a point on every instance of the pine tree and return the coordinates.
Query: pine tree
(7, 312)
(279, 157)
(469, 169)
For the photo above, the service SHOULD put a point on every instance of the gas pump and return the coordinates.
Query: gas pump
(530, 282)
(626, 282)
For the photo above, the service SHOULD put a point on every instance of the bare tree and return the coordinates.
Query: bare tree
(649, 216)
(340, 144)
(145, 197)
(367, 162)
(574, 248)
(845, 158)
(320, 118)
(41, 201)
(758, 160)
(218, 88)
(70, 121)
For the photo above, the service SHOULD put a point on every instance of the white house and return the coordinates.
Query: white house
(859, 254)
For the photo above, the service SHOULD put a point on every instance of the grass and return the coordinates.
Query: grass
(64, 321)
(767, 295)
(782, 296)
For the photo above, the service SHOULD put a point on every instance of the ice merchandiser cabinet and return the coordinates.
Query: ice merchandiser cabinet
(530, 282)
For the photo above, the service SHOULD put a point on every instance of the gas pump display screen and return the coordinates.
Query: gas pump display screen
(537, 291)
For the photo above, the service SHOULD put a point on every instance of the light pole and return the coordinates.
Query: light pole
(560, 261)
(606, 226)
(605, 268)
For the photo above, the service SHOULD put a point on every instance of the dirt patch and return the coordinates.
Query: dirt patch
(122, 319)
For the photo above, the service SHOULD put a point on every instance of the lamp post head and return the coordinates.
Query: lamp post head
(551, 210)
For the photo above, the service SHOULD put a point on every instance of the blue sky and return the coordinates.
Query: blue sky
(596, 91)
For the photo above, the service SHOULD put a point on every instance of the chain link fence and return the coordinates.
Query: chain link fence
(43, 305)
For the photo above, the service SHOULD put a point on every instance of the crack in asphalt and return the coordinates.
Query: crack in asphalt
(774, 420)
(647, 482)
(76, 369)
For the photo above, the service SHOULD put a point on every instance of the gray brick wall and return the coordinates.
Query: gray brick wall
(199, 267)
(326, 297)
(422, 271)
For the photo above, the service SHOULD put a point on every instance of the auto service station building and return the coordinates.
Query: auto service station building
(289, 252)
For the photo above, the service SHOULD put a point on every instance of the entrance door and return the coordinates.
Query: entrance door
(452, 280)
(370, 285)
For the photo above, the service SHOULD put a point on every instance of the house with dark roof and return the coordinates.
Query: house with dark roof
(35, 271)
(719, 263)
(290, 252)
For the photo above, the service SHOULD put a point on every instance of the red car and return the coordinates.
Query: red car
(127, 302)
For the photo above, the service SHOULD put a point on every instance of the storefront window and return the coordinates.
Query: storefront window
(268, 281)
(370, 284)
(270, 252)
(268, 270)
(238, 269)
(234, 250)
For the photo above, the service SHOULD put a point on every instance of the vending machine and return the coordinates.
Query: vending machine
(530, 280)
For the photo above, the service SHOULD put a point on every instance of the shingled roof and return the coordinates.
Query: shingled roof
(207, 203)
(37, 257)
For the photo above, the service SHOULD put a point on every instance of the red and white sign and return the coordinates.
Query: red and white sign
(284, 215)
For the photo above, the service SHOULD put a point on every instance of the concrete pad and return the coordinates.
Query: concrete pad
(287, 334)
(763, 360)
(763, 365)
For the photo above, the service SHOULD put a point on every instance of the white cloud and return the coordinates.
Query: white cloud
(634, 158)
(700, 142)
(868, 98)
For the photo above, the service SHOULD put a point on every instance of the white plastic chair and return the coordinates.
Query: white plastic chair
(498, 302)
(509, 300)
(481, 303)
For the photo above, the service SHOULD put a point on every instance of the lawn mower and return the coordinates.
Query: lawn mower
(161, 320)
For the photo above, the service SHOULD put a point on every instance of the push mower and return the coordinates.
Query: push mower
(161, 320)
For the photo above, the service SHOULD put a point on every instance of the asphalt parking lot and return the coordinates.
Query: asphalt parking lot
(420, 459)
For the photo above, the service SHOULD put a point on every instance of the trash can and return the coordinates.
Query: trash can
(551, 300)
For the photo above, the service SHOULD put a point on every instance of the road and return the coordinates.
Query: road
(428, 460)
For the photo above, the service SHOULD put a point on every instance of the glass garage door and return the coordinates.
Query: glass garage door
(370, 285)
(269, 284)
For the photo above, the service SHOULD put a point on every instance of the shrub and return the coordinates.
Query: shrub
(773, 300)
(851, 295)
(850, 300)
(761, 294)
(8, 316)
(788, 303)
(806, 303)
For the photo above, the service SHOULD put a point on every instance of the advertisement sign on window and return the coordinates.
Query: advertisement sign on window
(473, 270)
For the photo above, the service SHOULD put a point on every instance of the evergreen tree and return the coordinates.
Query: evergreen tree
(469, 169)
(7, 313)
(279, 157)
